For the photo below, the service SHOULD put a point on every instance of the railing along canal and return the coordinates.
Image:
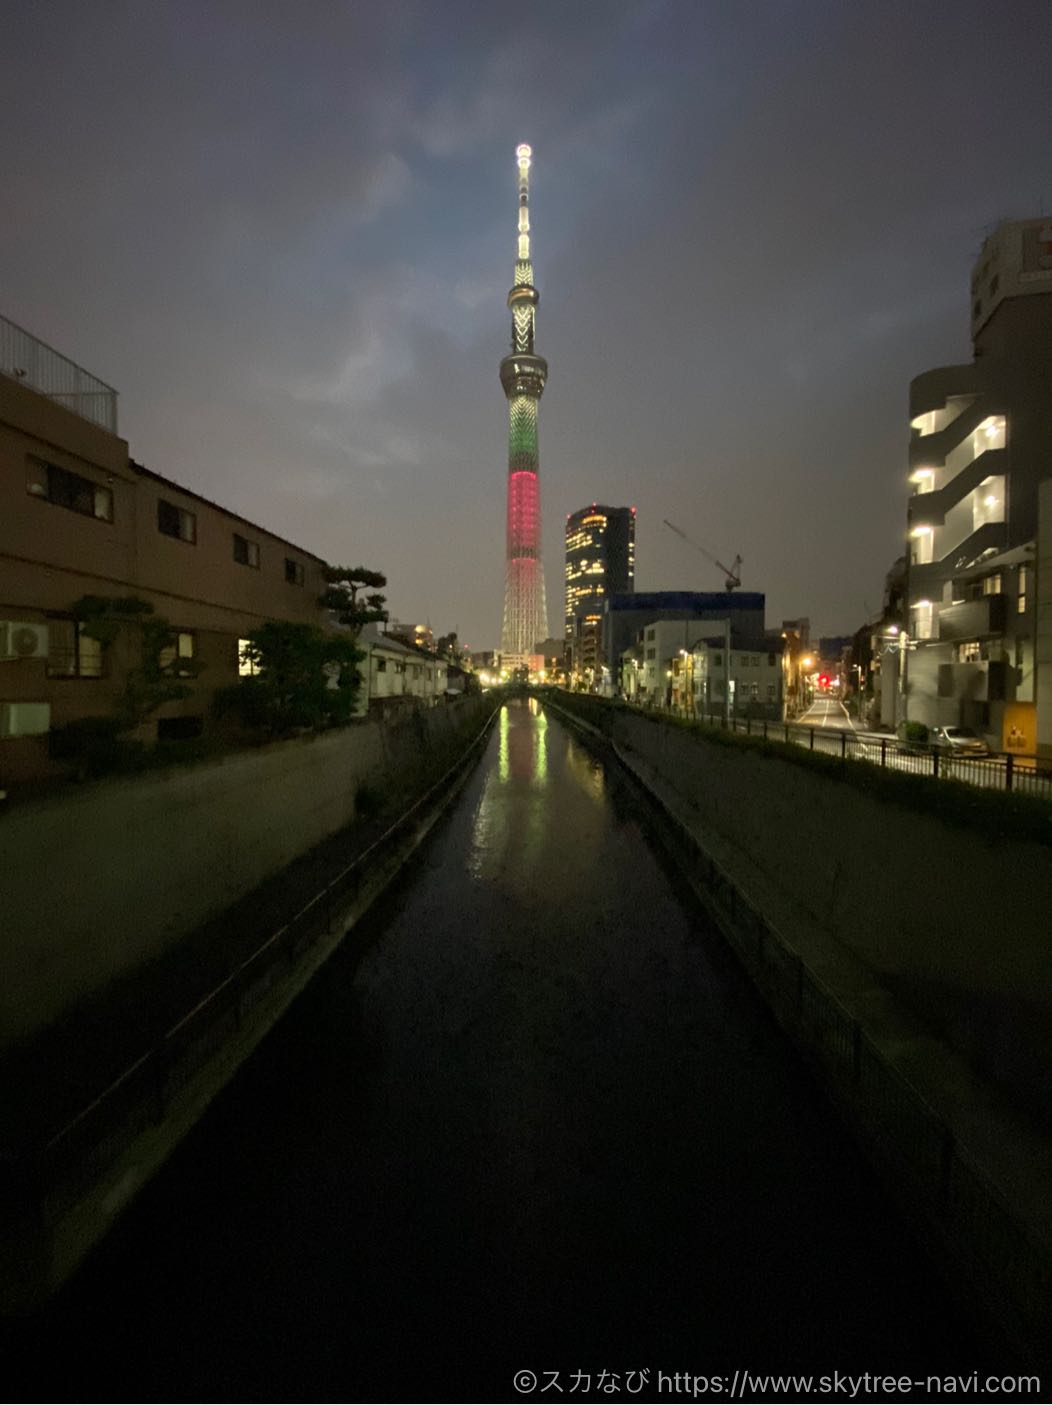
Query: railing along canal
(1028, 775)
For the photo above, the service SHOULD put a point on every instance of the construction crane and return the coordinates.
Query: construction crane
(733, 574)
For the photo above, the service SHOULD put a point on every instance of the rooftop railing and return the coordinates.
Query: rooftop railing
(26, 358)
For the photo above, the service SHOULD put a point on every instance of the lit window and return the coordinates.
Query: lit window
(1024, 574)
(71, 652)
(184, 646)
(246, 553)
(246, 663)
(969, 653)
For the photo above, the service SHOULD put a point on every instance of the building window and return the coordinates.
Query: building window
(717, 660)
(71, 652)
(246, 663)
(992, 584)
(381, 665)
(65, 489)
(652, 653)
(176, 522)
(293, 571)
(969, 653)
(1024, 574)
(184, 646)
(770, 692)
(246, 553)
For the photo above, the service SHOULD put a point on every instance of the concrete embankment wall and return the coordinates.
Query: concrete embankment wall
(848, 914)
(97, 880)
(956, 924)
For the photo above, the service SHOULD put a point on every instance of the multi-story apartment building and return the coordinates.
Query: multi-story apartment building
(686, 666)
(625, 616)
(981, 443)
(79, 517)
(600, 560)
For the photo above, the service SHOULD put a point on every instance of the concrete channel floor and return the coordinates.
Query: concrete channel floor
(531, 1116)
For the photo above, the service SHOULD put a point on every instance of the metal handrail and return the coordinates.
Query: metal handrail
(32, 362)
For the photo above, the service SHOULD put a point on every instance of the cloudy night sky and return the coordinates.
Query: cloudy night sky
(285, 233)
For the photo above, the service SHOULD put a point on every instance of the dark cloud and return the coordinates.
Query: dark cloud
(285, 233)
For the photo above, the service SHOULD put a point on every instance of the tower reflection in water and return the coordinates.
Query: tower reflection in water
(523, 752)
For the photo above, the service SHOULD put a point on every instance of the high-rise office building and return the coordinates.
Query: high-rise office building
(981, 440)
(523, 375)
(600, 561)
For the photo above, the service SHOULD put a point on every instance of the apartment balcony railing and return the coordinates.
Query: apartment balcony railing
(973, 619)
(25, 358)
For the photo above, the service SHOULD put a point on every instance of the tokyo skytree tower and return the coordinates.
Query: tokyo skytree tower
(523, 374)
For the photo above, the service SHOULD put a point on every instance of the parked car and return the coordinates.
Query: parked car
(960, 741)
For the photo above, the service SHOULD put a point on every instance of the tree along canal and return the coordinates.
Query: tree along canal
(531, 1116)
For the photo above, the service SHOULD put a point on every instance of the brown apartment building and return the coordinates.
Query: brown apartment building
(79, 517)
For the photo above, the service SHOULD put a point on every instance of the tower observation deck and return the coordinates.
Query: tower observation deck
(523, 375)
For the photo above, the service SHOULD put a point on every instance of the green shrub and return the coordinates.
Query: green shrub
(916, 733)
(91, 745)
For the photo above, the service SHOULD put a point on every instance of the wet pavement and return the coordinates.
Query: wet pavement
(531, 1117)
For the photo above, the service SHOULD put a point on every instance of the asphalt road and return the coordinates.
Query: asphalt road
(534, 1118)
(827, 712)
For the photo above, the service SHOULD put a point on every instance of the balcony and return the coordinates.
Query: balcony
(31, 362)
(932, 507)
(973, 619)
(940, 391)
(927, 577)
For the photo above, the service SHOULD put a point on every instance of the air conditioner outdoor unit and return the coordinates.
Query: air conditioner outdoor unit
(20, 640)
(24, 719)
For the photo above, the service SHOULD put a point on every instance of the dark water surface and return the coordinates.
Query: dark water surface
(532, 1118)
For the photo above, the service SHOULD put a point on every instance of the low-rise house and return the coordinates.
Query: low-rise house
(397, 675)
(685, 666)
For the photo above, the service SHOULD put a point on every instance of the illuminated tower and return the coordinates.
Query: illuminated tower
(523, 374)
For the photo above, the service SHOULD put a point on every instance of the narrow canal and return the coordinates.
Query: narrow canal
(531, 1118)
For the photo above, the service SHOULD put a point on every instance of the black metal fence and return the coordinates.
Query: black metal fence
(1028, 775)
